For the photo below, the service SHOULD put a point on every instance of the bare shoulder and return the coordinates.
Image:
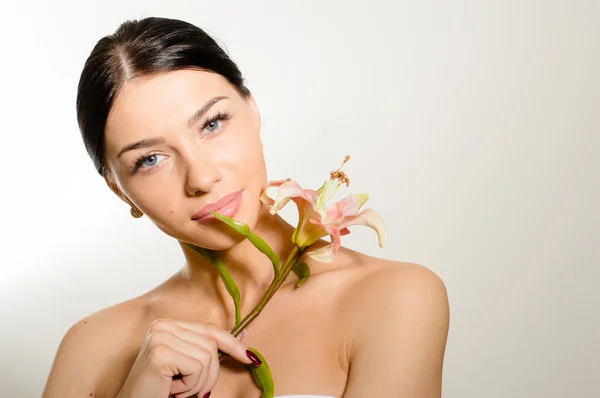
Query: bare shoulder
(374, 278)
(88, 346)
(397, 318)
(385, 278)
(384, 285)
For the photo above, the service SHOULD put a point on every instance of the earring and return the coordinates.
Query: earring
(135, 212)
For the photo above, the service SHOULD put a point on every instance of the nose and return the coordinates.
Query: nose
(202, 174)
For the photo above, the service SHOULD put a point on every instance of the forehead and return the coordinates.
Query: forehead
(149, 106)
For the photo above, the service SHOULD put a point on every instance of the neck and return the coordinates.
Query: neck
(251, 270)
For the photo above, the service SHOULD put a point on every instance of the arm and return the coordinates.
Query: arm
(399, 327)
(70, 374)
(90, 350)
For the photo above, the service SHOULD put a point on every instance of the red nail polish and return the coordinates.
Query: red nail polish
(207, 395)
(253, 358)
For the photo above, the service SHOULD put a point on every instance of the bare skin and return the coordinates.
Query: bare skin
(360, 326)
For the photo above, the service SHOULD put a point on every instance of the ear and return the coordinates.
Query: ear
(112, 184)
(254, 110)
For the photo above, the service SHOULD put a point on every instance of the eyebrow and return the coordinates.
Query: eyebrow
(159, 140)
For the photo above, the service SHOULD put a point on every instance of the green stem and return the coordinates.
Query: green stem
(275, 285)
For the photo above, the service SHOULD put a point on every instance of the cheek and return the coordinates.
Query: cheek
(253, 163)
(168, 218)
(247, 158)
(156, 199)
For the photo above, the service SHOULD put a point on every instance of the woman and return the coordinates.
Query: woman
(169, 124)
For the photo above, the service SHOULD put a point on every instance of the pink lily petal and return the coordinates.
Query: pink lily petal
(369, 218)
(315, 222)
(332, 213)
(310, 229)
(290, 189)
(326, 253)
(309, 221)
(351, 204)
(348, 206)
(323, 255)
(305, 234)
(264, 196)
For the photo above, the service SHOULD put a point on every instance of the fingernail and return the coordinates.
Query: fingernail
(253, 358)
(207, 395)
(241, 335)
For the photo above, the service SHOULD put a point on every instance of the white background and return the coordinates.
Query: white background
(473, 125)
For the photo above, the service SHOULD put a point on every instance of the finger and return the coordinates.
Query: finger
(212, 375)
(171, 363)
(201, 347)
(205, 342)
(196, 382)
(225, 340)
(209, 378)
(188, 349)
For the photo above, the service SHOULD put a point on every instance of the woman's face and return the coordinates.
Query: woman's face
(180, 140)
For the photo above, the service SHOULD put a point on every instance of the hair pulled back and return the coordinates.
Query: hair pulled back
(138, 48)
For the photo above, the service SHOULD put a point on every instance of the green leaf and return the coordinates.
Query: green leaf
(262, 375)
(225, 277)
(302, 272)
(256, 240)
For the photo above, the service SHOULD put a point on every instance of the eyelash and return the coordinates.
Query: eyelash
(220, 116)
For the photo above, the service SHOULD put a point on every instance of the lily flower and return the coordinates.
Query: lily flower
(317, 219)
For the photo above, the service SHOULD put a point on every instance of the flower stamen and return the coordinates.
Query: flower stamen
(331, 186)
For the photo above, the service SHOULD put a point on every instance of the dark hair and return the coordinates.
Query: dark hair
(137, 48)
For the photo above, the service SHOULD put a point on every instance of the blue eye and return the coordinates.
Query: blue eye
(150, 160)
(146, 161)
(216, 122)
(212, 125)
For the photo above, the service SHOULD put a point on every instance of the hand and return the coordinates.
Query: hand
(188, 350)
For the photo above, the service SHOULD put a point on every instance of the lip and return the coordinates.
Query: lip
(227, 205)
